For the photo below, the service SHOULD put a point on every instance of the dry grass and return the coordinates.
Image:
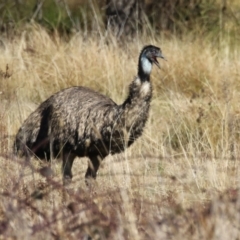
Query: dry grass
(179, 181)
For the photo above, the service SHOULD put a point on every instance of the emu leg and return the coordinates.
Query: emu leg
(93, 166)
(68, 159)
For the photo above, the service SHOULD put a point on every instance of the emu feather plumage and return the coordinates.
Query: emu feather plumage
(78, 121)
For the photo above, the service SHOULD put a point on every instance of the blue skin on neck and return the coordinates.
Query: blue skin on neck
(144, 68)
(146, 65)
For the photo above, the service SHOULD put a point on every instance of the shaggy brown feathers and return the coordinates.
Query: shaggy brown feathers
(78, 121)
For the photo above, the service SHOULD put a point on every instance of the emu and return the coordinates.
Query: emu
(78, 122)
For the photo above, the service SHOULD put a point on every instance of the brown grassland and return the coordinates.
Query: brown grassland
(180, 180)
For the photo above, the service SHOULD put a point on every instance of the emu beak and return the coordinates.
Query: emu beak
(154, 59)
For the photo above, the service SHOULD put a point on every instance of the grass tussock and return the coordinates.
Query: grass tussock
(180, 180)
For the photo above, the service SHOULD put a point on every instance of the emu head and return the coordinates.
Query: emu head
(148, 56)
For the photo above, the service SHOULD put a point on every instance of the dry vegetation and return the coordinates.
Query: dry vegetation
(179, 181)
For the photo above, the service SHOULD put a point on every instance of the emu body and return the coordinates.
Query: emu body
(78, 122)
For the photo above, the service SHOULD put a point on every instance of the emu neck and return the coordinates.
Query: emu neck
(140, 90)
(144, 69)
(135, 109)
(136, 106)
